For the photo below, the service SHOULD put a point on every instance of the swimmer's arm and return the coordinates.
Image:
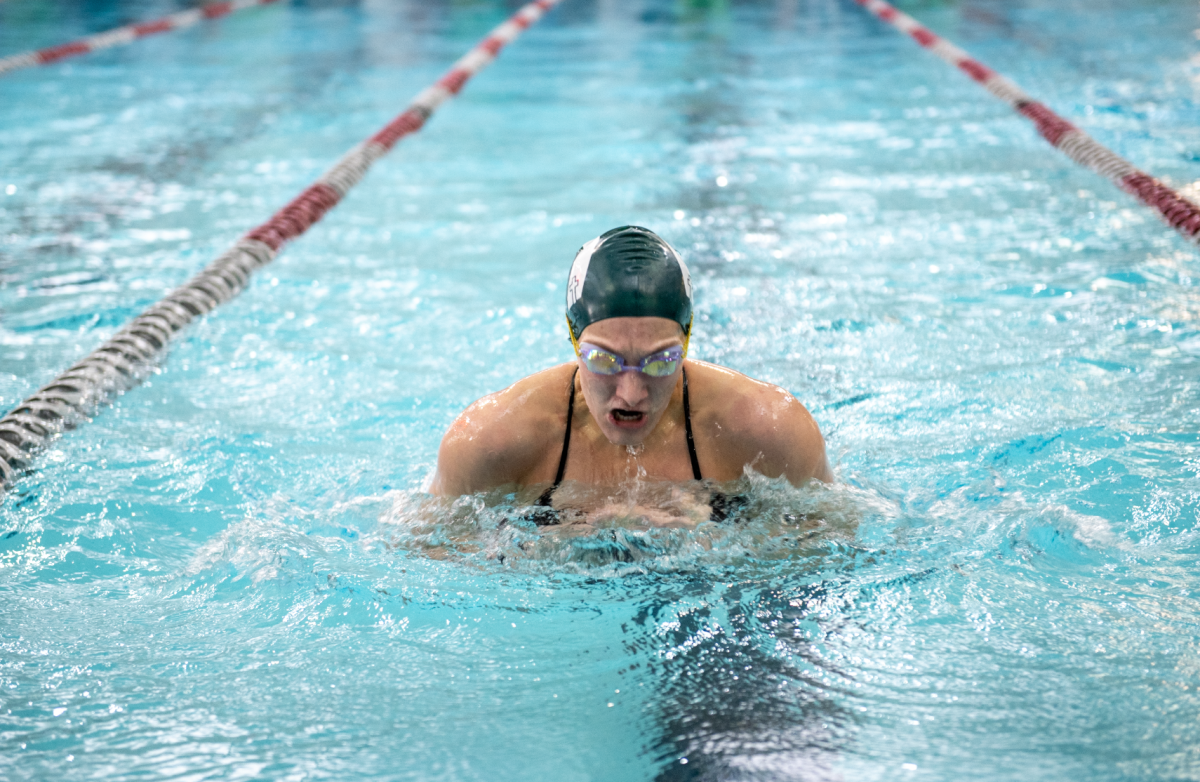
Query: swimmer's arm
(469, 460)
(786, 440)
(489, 445)
(805, 455)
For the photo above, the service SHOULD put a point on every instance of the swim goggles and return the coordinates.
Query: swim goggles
(601, 362)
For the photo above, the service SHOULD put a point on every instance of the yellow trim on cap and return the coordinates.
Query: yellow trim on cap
(571, 332)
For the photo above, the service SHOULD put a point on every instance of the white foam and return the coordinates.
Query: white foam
(1091, 531)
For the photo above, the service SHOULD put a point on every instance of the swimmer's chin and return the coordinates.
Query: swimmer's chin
(626, 427)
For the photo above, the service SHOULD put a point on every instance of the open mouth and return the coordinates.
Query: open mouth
(626, 417)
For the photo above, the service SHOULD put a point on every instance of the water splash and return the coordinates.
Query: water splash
(642, 526)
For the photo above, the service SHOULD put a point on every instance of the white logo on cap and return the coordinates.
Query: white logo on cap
(579, 271)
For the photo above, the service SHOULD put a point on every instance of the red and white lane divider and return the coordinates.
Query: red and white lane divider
(1181, 213)
(122, 35)
(125, 359)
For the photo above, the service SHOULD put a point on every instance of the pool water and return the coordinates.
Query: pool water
(232, 572)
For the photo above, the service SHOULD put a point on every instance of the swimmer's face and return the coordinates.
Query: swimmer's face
(627, 407)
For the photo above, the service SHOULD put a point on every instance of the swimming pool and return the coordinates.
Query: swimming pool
(223, 575)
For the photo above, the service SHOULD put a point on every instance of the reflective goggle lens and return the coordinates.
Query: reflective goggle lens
(660, 366)
(601, 363)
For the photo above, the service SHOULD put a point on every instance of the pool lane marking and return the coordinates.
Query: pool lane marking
(120, 36)
(1179, 212)
(127, 358)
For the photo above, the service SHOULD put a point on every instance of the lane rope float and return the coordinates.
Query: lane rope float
(124, 360)
(1179, 212)
(119, 36)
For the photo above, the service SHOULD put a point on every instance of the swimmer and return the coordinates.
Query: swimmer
(631, 392)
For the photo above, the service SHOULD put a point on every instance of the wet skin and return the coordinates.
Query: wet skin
(514, 437)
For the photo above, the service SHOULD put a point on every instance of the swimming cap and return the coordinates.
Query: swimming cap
(628, 272)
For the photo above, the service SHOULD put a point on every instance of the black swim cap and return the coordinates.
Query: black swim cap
(628, 272)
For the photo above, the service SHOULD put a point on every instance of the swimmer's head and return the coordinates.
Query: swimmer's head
(628, 272)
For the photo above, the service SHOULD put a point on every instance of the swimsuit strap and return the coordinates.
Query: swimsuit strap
(544, 500)
(562, 460)
(687, 421)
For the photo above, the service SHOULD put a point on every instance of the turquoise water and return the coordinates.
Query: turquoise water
(232, 572)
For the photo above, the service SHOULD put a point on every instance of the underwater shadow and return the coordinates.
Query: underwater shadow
(741, 690)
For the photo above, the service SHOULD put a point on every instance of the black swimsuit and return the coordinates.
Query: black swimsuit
(544, 514)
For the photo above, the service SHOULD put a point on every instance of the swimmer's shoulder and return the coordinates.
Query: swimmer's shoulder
(746, 421)
(505, 437)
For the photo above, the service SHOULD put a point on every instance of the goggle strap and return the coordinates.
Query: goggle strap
(687, 336)
(571, 332)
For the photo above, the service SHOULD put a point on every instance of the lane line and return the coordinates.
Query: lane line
(124, 360)
(1179, 212)
(119, 36)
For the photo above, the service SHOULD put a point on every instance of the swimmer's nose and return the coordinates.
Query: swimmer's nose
(632, 389)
